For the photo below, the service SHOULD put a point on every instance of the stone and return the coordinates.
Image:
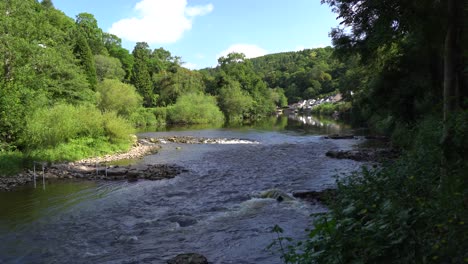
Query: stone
(188, 258)
(276, 194)
(336, 136)
(116, 171)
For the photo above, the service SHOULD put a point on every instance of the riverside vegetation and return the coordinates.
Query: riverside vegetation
(402, 71)
(409, 80)
(69, 90)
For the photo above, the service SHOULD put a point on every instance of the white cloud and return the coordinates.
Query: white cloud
(199, 10)
(249, 50)
(159, 21)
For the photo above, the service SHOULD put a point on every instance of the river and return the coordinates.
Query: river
(213, 209)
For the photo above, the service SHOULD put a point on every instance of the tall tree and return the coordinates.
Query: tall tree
(141, 78)
(113, 44)
(92, 32)
(47, 3)
(83, 53)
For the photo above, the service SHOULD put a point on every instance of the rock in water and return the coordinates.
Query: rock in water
(188, 258)
(276, 194)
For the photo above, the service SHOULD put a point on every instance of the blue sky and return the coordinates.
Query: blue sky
(200, 31)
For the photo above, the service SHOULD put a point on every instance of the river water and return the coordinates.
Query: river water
(213, 209)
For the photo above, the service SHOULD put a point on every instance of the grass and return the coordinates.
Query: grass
(14, 162)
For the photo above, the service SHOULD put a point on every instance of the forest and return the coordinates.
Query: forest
(69, 90)
(406, 64)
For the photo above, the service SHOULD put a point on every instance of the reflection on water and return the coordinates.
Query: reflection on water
(28, 204)
(308, 124)
(317, 123)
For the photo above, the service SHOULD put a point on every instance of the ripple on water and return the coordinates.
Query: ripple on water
(212, 209)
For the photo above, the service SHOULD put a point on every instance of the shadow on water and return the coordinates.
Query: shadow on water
(27, 204)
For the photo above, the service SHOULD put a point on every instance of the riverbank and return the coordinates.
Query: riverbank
(101, 168)
(97, 168)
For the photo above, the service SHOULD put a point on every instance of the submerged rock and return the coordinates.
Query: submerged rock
(188, 258)
(276, 194)
(200, 140)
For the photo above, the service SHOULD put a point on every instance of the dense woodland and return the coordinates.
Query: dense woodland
(67, 86)
(69, 90)
(406, 64)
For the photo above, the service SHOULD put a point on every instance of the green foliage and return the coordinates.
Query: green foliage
(235, 71)
(11, 162)
(234, 102)
(77, 149)
(84, 54)
(172, 84)
(304, 74)
(140, 74)
(108, 68)
(50, 127)
(117, 129)
(195, 109)
(394, 214)
(113, 45)
(147, 117)
(118, 97)
(93, 34)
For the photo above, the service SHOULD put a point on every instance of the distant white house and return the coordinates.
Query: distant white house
(308, 104)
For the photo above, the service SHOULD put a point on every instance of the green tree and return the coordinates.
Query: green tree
(118, 97)
(235, 103)
(93, 34)
(235, 67)
(195, 109)
(83, 53)
(108, 68)
(47, 3)
(141, 75)
(170, 85)
(113, 45)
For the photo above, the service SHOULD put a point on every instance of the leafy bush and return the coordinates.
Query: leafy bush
(11, 162)
(118, 97)
(77, 149)
(149, 117)
(395, 214)
(116, 128)
(56, 133)
(49, 127)
(234, 102)
(195, 109)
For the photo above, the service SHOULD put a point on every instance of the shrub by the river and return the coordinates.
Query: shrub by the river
(67, 132)
(395, 214)
(195, 109)
(10, 162)
(146, 117)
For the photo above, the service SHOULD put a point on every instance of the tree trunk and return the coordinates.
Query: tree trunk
(450, 62)
(452, 76)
